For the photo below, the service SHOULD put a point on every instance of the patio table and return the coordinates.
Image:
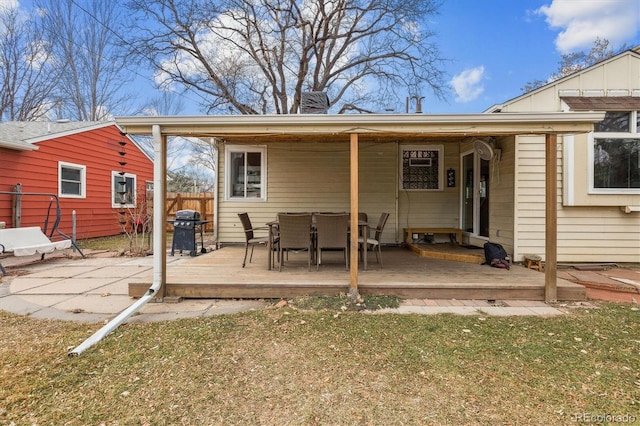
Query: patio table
(273, 227)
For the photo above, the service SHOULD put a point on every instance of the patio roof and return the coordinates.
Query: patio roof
(458, 125)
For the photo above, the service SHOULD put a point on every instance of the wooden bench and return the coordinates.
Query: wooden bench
(408, 232)
(28, 241)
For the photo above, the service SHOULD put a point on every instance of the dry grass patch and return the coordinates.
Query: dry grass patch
(331, 367)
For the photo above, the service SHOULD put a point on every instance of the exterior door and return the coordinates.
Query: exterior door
(475, 195)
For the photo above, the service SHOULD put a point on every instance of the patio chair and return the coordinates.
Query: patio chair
(374, 242)
(251, 239)
(362, 217)
(295, 235)
(332, 232)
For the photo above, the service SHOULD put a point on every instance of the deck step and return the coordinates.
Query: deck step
(447, 252)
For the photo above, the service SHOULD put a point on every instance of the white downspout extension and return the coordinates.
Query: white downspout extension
(158, 249)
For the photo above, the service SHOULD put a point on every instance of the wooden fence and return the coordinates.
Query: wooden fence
(188, 201)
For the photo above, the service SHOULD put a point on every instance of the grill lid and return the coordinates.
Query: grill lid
(187, 215)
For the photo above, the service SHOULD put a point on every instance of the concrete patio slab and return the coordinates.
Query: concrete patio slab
(69, 286)
(28, 282)
(95, 304)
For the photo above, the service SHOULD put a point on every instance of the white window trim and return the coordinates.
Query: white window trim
(441, 178)
(634, 133)
(569, 169)
(262, 149)
(114, 175)
(83, 179)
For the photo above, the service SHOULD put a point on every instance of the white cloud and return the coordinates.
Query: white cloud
(468, 84)
(581, 22)
(6, 5)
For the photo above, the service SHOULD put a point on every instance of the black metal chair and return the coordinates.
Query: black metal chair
(251, 239)
(332, 232)
(295, 235)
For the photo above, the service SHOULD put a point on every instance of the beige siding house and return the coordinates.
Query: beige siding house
(500, 198)
(598, 172)
(547, 173)
(314, 176)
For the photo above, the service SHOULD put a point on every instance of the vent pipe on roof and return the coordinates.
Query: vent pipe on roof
(418, 100)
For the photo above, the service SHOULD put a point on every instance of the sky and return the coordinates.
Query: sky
(494, 47)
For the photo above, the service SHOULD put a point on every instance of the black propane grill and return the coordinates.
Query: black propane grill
(186, 226)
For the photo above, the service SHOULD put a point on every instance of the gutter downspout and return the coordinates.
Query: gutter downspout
(216, 194)
(159, 264)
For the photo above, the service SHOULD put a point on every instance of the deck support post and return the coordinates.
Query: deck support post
(159, 211)
(551, 218)
(353, 249)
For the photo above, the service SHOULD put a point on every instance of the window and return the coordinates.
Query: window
(245, 173)
(123, 190)
(421, 168)
(71, 180)
(615, 153)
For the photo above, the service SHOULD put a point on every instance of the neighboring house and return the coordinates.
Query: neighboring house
(599, 172)
(80, 162)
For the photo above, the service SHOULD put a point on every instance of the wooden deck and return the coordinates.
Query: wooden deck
(407, 274)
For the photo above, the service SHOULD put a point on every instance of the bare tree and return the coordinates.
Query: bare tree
(26, 68)
(166, 103)
(190, 179)
(259, 56)
(87, 47)
(205, 153)
(576, 61)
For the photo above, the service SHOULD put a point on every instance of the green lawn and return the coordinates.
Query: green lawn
(329, 367)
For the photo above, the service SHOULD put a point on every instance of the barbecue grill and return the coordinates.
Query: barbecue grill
(186, 226)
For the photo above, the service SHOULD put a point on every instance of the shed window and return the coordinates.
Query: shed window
(245, 173)
(616, 153)
(71, 180)
(123, 190)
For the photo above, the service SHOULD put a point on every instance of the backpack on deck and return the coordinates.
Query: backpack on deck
(495, 255)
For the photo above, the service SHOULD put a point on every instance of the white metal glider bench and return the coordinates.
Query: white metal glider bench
(28, 241)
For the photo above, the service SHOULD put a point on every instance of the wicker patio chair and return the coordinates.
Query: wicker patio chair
(374, 241)
(251, 239)
(332, 232)
(362, 217)
(295, 235)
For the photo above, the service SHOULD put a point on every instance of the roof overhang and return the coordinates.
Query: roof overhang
(383, 125)
(18, 146)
